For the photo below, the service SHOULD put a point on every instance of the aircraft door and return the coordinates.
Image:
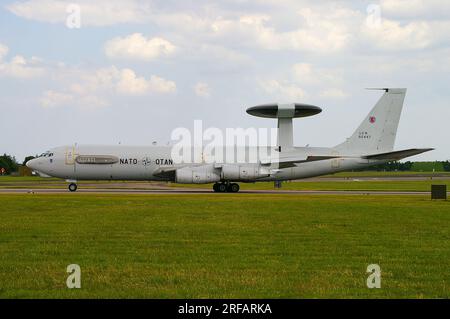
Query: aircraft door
(70, 156)
(70, 161)
(335, 163)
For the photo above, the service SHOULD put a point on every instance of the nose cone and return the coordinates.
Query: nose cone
(32, 164)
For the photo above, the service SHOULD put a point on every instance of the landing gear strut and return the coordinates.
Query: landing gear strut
(73, 187)
(226, 187)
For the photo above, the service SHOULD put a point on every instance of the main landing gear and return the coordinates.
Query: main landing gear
(226, 187)
(73, 187)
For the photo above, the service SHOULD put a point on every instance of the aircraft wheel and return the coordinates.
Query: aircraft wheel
(234, 188)
(216, 187)
(73, 187)
(222, 187)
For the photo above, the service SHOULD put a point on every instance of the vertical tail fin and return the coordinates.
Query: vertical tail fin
(377, 132)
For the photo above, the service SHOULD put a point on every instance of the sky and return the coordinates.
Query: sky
(130, 72)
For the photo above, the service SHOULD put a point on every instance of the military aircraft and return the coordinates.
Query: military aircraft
(371, 144)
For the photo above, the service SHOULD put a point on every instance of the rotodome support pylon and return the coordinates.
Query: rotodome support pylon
(285, 113)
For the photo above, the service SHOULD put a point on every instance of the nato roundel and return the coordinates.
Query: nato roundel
(275, 110)
(372, 119)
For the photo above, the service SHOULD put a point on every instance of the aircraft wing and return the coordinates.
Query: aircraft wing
(286, 162)
(397, 155)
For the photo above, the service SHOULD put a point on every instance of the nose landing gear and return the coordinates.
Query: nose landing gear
(73, 187)
(226, 187)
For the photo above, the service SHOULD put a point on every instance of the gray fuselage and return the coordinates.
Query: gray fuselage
(147, 163)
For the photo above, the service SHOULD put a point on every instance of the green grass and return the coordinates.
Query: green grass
(427, 166)
(223, 245)
(9, 179)
(350, 185)
(354, 185)
(389, 174)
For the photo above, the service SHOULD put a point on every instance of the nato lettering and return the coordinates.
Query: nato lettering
(132, 161)
(163, 161)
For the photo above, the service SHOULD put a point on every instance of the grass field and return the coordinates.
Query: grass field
(427, 166)
(224, 245)
(414, 186)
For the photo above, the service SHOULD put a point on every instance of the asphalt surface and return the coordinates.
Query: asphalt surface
(201, 191)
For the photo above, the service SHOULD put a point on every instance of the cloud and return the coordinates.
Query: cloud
(123, 81)
(51, 99)
(283, 91)
(315, 31)
(303, 26)
(3, 51)
(202, 89)
(51, 11)
(322, 31)
(307, 73)
(136, 46)
(19, 67)
(99, 13)
(96, 88)
(391, 35)
(312, 27)
(222, 54)
(128, 83)
(333, 93)
(425, 9)
(307, 77)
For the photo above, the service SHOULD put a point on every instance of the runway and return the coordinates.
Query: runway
(191, 191)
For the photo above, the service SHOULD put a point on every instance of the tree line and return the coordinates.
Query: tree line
(10, 164)
(412, 166)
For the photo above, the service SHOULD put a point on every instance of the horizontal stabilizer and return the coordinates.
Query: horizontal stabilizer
(397, 155)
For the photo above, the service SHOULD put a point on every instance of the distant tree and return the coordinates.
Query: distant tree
(28, 158)
(446, 166)
(9, 163)
(392, 166)
(406, 166)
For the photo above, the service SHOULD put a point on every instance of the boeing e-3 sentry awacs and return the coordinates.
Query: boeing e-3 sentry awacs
(371, 144)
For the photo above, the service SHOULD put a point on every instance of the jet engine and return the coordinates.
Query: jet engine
(243, 172)
(197, 175)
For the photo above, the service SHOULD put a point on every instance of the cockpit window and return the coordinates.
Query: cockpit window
(46, 154)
